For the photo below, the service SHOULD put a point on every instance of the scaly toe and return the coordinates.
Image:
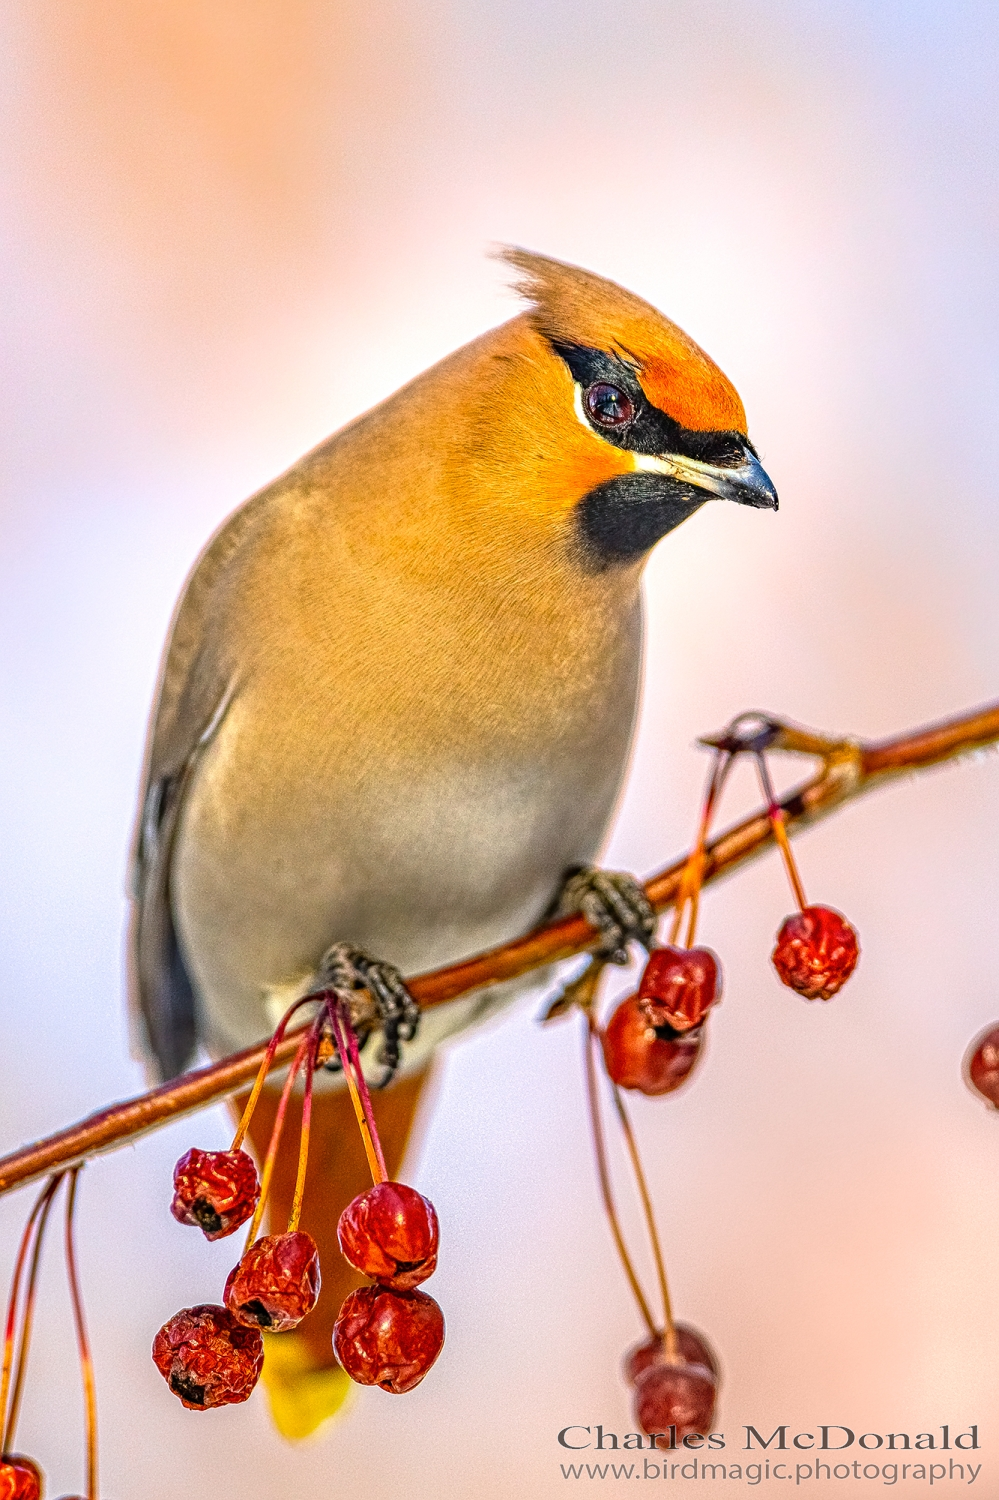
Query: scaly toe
(613, 902)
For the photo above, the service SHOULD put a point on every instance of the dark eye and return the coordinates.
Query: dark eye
(608, 405)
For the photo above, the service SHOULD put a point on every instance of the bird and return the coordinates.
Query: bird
(398, 698)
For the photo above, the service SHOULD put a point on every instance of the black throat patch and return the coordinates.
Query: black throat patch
(624, 517)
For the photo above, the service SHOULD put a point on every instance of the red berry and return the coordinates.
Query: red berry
(391, 1234)
(20, 1478)
(216, 1190)
(982, 1065)
(694, 1349)
(679, 986)
(388, 1338)
(816, 952)
(207, 1358)
(680, 1396)
(276, 1283)
(638, 1055)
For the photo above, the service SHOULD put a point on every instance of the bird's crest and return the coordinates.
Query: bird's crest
(572, 306)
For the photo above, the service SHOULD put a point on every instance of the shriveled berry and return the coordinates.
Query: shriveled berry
(20, 1478)
(680, 1396)
(982, 1065)
(215, 1190)
(207, 1358)
(276, 1283)
(651, 1059)
(679, 986)
(388, 1338)
(694, 1348)
(391, 1234)
(816, 952)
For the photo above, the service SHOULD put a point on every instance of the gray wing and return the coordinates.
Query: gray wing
(195, 690)
(161, 991)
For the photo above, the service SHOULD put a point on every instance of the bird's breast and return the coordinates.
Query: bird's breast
(404, 773)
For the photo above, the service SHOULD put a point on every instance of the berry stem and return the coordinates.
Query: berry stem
(669, 1333)
(693, 874)
(34, 1229)
(778, 823)
(275, 1140)
(303, 1145)
(346, 1043)
(264, 1069)
(591, 1041)
(83, 1342)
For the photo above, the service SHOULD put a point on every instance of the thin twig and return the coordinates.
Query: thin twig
(304, 1042)
(779, 826)
(693, 872)
(346, 1044)
(303, 1139)
(670, 1342)
(856, 768)
(590, 1042)
(267, 1062)
(35, 1226)
(83, 1342)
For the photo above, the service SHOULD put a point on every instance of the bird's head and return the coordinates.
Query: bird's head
(647, 427)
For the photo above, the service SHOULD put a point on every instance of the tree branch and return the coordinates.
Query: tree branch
(849, 768)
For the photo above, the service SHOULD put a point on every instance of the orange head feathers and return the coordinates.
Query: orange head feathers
(572, 306)
(654, 430)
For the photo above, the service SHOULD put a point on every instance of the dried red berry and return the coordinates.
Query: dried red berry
(388, 1338)
(694, 1348)
(679, 986)
(391, 1234)
(276, 1283)
(216, 1190)
(20, 1478)
(680, 1396)
(207, 1358)
(816, 952)
(638, 1055)
(982, 1065)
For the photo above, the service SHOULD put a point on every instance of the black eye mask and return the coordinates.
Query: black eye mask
(621, 519)
(649, 429)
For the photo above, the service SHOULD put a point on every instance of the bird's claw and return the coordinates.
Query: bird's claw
(615, 904)
(347, 970)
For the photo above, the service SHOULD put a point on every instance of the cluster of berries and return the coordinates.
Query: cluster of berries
(655, 1036)
(387, 1334)
(20, 1477)
(651, 1043)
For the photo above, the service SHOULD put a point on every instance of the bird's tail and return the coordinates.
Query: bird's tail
(304, 1383)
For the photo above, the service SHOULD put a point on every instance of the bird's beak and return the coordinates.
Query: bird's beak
(747, 482)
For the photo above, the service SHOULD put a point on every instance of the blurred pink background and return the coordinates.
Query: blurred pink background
(231, 227)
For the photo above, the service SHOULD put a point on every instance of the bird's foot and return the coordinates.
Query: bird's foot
(390, 1007)
(615, 904)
